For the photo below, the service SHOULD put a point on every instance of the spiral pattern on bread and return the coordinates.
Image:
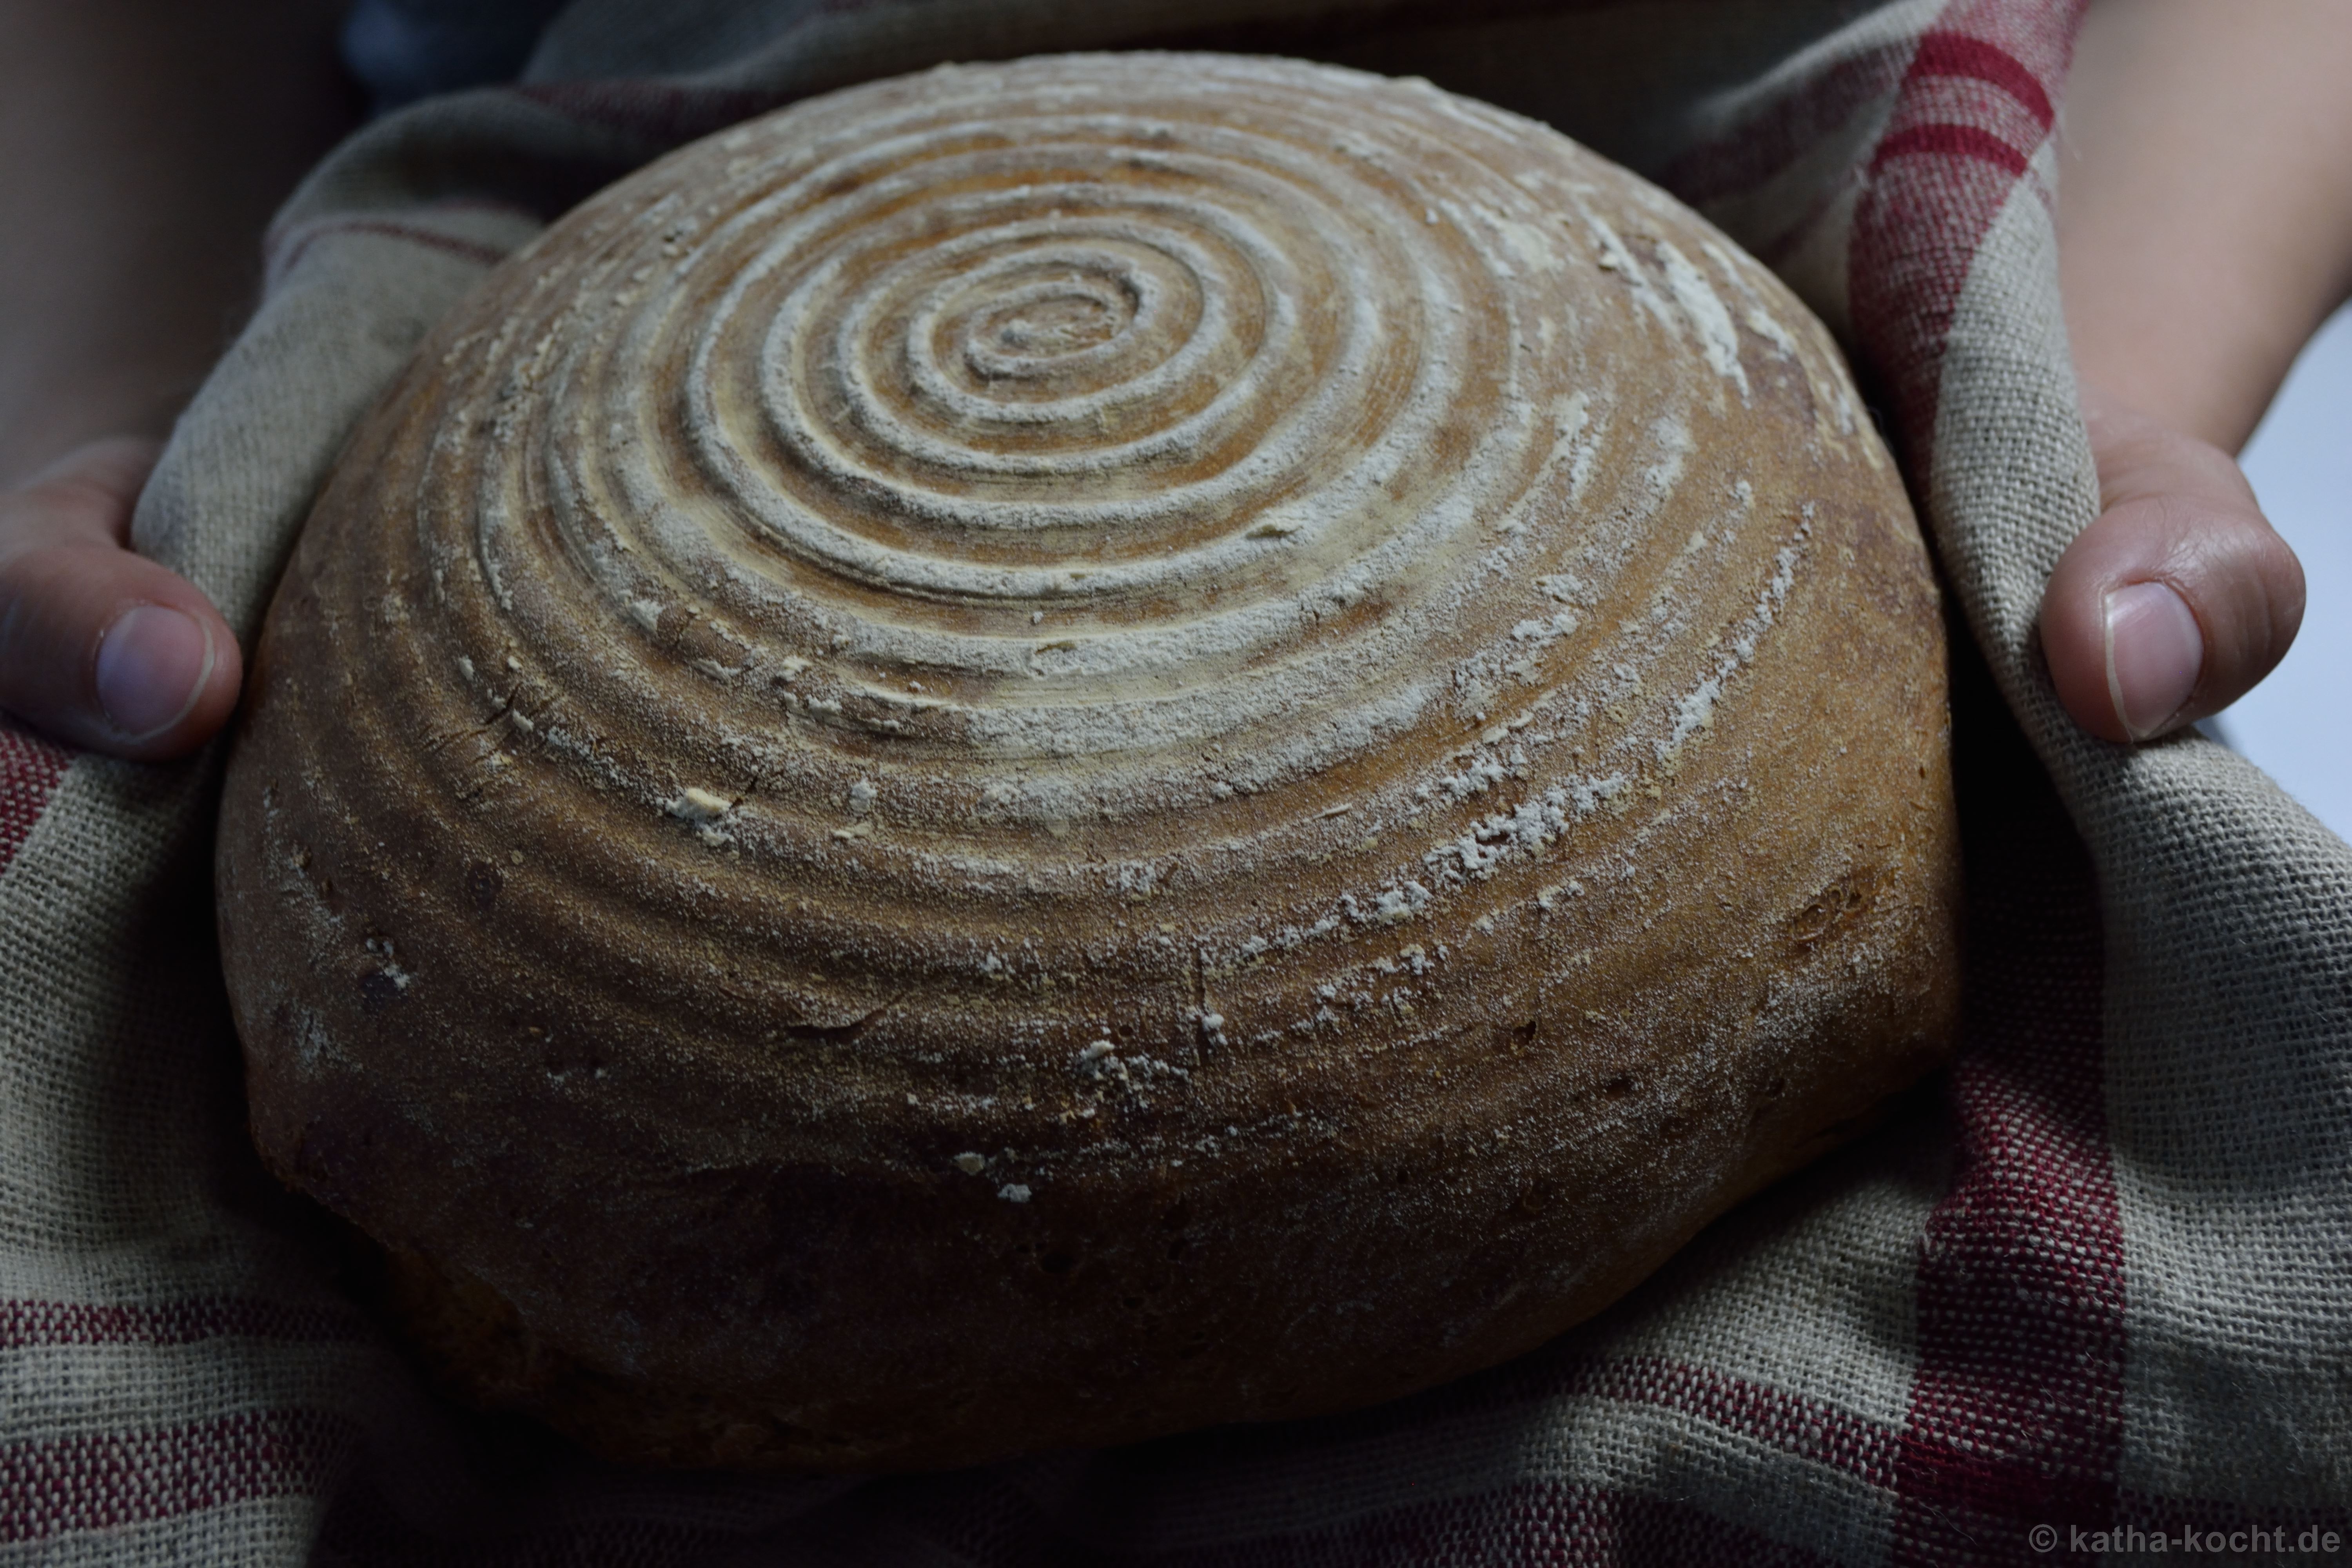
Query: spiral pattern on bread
(1048, 752)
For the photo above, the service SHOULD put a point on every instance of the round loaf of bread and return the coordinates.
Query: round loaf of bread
(1048, 753)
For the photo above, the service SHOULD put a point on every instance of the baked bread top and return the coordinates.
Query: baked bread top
(1048, 752)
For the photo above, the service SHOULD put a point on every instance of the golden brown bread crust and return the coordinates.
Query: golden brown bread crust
(1052, 752)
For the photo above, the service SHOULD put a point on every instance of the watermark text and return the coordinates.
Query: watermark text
(2278, 1541)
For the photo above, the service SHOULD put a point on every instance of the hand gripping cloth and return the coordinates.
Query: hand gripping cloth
(2091, 1283)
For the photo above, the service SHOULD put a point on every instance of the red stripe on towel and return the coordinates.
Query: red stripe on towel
(107, 1481)
(31, 768)
(28, 1324)
(2016, 1407)
(1973, 108)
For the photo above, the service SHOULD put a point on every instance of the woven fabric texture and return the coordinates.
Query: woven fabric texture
(2091, 1279)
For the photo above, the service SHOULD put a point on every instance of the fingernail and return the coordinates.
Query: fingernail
(153, 664)
(2155, 653)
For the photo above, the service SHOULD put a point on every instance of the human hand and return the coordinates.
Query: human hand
(2204, 233)
(143, 146)
(2178, 597)
(99, 646)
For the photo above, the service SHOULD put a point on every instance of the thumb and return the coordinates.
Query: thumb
(99, 646)
(2178, 597)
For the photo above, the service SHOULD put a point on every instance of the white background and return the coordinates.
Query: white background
(2297, 725)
